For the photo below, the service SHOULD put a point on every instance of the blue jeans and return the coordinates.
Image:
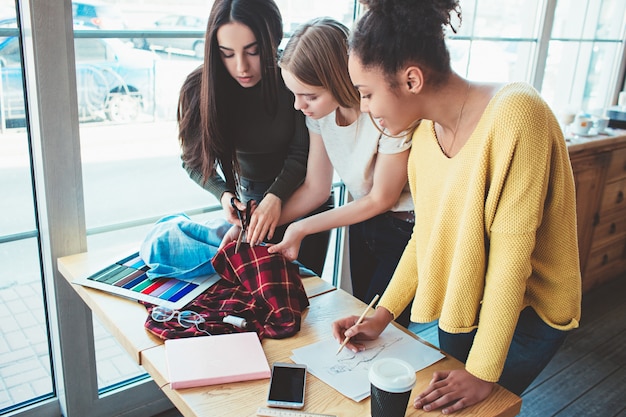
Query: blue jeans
(314, 247)
(534, 344)
(376, 246)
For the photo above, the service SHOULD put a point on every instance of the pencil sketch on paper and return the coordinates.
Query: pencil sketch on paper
(347, 372)
(349, 360)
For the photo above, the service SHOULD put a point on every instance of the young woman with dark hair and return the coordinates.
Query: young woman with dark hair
(372, 165)
(239, 134)
(494, 255)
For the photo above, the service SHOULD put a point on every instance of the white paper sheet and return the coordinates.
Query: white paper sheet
(347, 371)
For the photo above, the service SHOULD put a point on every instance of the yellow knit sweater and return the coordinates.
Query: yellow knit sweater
(495, 229)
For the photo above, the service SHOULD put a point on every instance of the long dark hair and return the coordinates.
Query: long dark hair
(204, 137)
(393, 33)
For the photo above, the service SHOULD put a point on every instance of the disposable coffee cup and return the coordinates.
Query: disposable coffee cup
(391, 382)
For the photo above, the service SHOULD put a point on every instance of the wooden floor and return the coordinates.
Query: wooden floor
(587, 377)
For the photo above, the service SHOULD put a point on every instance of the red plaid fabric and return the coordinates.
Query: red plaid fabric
(263, 288)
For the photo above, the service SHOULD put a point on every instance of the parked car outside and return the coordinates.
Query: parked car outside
(180, 45)
(114, 81)
(97, 15)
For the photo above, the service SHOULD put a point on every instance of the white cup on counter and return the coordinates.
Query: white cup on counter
(582, 124)
(566, 117)
(601, 123)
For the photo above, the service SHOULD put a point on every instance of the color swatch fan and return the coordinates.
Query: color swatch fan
(127, 278)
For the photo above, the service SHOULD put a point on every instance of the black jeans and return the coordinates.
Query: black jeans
(376, 246)
(314, 247)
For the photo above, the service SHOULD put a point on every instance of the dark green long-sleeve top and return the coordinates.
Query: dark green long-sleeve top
(268, 148)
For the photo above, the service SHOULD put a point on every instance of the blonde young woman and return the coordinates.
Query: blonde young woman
(372, 165)
(494, 256)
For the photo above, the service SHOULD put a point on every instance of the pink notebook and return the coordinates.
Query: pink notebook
(210, 360)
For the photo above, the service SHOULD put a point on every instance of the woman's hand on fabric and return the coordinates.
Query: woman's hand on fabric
(289, 247)
(264, 219)
(452, 391)
(369, 329)
(229, 211)
(230, 236)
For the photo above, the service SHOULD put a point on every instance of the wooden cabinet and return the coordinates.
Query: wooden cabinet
(589, 172)
(599, 167)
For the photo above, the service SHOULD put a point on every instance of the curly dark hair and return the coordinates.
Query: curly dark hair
(394, 33)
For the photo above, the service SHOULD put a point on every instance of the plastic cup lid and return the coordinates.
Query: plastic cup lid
(392, 375)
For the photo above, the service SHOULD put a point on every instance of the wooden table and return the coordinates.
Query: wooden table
(125, 318)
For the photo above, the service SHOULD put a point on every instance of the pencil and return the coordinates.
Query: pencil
(347, 339)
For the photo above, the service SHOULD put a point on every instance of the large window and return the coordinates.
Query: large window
(570, 50)
(25, 359)
(585, 51)
(104, 152)
(90, 161)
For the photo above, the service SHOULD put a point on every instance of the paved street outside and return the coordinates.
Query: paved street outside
(24, 360)
(113, 155)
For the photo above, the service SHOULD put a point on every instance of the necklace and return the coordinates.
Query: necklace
(458, 121)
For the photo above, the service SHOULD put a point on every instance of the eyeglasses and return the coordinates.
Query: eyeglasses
(186, 318)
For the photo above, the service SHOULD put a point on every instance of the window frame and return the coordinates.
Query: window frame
(542, 48)
(57, 171)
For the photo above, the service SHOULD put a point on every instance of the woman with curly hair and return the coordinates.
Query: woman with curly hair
(494, 256)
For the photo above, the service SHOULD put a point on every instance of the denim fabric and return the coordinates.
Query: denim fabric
(534, 344)
(178, 247)
(314, 247)
(376, 246)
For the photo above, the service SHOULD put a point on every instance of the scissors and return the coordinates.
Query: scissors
(244, 219)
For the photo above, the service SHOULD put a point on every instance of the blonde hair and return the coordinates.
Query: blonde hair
(317, 55)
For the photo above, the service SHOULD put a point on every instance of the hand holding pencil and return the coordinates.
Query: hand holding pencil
(359, 321)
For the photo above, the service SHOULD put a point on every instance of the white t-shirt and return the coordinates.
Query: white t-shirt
(352, 151)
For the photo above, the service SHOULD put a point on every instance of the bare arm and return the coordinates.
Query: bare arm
(317, 184)
(390, 177)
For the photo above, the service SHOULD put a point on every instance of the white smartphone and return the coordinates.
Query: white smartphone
(287, 385)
